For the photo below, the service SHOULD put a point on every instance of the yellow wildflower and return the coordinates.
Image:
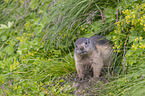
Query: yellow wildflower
(17, 62)
(110, 93)
(82, 29)
(140, 37)
(119, 51)
(135, 48)
(134, 16)
(18, 38)
(140, 46)
(132, 46)
(118, 47)
(136, 39)
(6, 1)
(114, 37)
(141, 23)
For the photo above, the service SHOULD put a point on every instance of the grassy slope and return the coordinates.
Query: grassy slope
(36, 46)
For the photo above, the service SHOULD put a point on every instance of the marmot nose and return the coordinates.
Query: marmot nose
(82, 48)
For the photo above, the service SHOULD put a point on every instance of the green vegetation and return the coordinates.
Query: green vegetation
(36, 45)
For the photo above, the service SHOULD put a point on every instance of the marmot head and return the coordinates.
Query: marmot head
(82, 46)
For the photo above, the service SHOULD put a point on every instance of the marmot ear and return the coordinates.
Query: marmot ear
(88, 41)
(76, 46)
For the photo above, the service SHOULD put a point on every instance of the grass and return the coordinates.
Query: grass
(36, 46)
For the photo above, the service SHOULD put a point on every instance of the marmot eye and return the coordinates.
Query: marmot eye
(86, 43)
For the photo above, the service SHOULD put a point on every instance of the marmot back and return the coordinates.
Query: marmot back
(95, 52)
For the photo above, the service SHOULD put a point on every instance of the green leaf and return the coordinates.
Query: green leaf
(3, 26)
(9, 49)
(4, 38)
(131, 38)
(20, 52)
(96, 26)
(33, 4)
(61, 80)
(10, 24)
(109, 14)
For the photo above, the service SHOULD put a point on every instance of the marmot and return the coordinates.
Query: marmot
(95, 52)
